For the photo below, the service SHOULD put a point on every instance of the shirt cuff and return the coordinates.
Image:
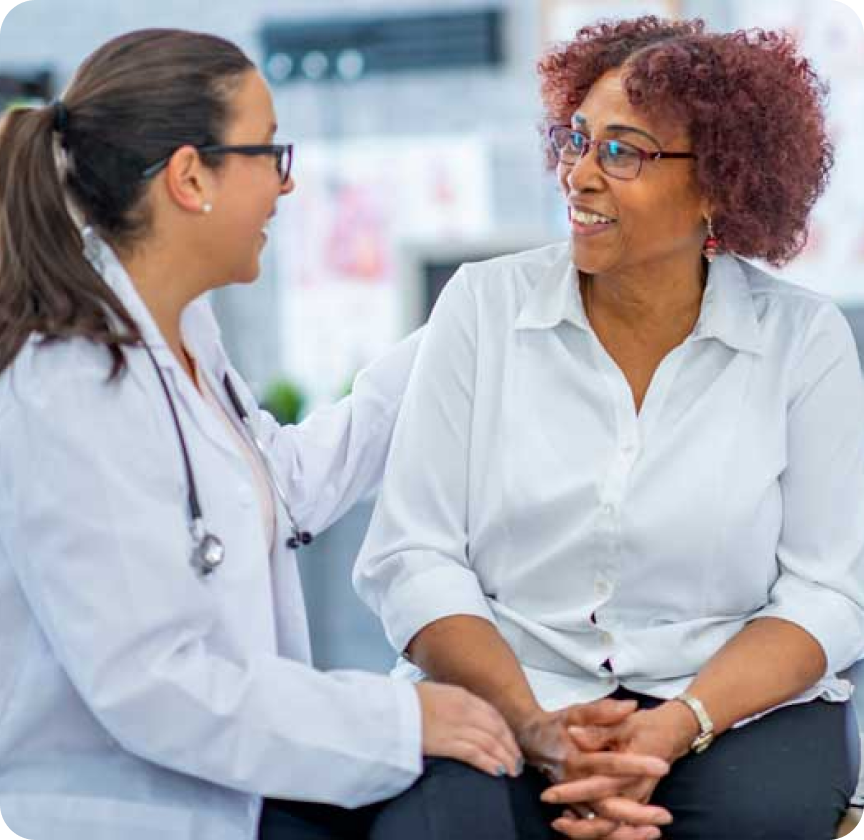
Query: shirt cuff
(409, 725)
(833, 619)
(428, 596)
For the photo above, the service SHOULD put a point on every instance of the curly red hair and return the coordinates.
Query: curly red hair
(752, 106)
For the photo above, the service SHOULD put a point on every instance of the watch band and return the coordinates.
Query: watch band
(706, 726)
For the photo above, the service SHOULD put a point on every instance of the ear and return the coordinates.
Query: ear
(187, 181)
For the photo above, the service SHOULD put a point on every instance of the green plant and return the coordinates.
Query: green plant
(284, 400)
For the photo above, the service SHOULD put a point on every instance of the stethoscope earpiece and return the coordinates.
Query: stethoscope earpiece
(297, 539)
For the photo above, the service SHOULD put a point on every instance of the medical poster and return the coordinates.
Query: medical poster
(338, 241)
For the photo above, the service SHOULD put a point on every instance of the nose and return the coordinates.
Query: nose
(584, 172)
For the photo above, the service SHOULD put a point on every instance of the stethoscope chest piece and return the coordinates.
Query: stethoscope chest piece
(208, 554)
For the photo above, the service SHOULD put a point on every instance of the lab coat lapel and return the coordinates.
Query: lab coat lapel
(292, 626)
(200, 333)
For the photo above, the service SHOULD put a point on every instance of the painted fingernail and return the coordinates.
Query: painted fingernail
(520, 766)
(500, 770)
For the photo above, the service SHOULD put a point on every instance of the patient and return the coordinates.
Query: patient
(632, 465)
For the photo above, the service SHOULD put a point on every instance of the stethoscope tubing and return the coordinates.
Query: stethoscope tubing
(303, 536)
(208, 552)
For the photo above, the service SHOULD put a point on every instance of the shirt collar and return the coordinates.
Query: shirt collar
(555, 297)
(728, 313)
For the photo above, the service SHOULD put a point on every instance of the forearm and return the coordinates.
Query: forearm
(769, 662)
(470, 652)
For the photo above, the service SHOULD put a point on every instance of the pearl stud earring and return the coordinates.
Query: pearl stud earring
(207, 207)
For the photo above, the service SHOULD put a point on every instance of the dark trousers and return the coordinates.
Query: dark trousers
(449, 802)
(787, 776)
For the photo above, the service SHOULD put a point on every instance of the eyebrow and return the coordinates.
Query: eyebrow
(618, 129)
(634, 130)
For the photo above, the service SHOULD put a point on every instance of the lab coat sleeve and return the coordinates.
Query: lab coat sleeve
(820, 552)
(101, 551)
(414, 566)
(336, 456)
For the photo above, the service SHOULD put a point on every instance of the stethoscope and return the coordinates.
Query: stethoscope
(208, 551)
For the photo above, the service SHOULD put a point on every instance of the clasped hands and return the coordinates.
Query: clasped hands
(605, 759)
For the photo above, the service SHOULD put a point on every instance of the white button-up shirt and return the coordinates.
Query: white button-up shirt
(139, 700)
(523, 487)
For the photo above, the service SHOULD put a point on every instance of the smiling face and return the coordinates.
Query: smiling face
(653, 221)
(246, 187)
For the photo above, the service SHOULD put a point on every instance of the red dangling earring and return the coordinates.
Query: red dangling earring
(711, 245)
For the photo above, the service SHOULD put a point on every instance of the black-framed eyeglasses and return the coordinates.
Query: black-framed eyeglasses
(616, 158)
(283, 155)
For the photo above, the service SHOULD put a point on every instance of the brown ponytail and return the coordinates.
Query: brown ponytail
(46, 284)
(133, 102)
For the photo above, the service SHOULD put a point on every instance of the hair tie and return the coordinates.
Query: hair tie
(61, 116)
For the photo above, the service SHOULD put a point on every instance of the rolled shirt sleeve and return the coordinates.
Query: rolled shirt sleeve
(414, 567)
(820, 552)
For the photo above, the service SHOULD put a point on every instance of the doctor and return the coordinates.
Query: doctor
(154, 660)
(154, 677)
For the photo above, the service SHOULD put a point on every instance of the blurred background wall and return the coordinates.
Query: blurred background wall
(402, 175)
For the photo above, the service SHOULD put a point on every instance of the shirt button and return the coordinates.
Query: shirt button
(608, 509)
(606, 638)
(602, 588)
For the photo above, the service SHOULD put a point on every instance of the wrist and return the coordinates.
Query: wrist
(539, 735)
(683, 726)
(527, 723)
(526, 717)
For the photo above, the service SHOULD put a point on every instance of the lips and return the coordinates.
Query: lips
(585, 223)
(587, 216)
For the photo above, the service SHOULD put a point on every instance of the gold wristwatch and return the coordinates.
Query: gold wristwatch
(706, 726)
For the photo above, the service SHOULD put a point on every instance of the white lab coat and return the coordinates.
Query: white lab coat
(139, 700)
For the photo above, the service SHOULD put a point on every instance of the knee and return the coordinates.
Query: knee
(449, 800)
(755, 817)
